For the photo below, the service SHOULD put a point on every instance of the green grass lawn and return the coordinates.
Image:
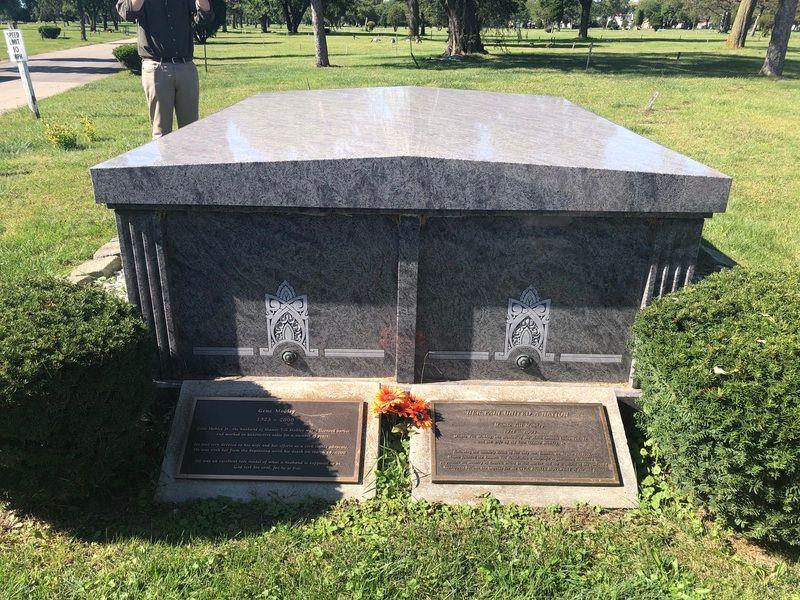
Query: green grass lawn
(711, 106)
(388, 547)
(70, 37)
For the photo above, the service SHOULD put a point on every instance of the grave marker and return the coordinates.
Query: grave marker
(299, 260)
(275, 440)
(531, 444)
(271, 439)
(522, 442)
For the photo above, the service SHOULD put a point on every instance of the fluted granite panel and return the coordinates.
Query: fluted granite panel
(674, 256)
(386, 148)
(144, 264)
(128, 262)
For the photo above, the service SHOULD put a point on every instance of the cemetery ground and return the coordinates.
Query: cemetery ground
(710, 106)
(70, 37)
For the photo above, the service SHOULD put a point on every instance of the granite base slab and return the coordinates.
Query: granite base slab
(616, 496)
(174, 489)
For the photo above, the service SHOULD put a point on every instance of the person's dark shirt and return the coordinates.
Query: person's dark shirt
(165, 27)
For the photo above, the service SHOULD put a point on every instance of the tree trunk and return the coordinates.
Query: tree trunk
(293, 13)
(738, 34)
(105, 21)
(286, 16)
(320, 41)
(586, 7)
(422, 25)
(756, 20)
(464, 29)
(264, 20)
(779, 40)
(82, 19)
(413, 19)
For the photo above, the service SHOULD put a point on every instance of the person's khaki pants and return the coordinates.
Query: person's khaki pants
(170, 87)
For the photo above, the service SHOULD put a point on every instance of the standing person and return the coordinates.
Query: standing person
(169, 76)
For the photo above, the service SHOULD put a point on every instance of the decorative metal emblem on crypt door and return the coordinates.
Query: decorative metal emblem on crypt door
(287, 320)
(527, 321)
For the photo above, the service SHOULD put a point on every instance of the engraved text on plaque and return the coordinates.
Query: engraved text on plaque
(272, 439)
(523, 442)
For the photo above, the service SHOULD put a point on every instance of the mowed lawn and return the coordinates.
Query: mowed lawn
(69, 37)
(710, 106)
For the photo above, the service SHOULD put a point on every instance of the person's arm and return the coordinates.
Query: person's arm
(203, 11)
(130, 10)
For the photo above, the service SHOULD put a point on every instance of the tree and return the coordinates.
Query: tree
(11, 10)
(262, 11)
(706, 9)
(779, 40)
(208, 29)
(293, 11)
(498, 13)
(320, 40)
(586, 10)
(49, 10)
(464, 28)
(738, 33)
(395, 14)
(82, 19)
(413, 19)
(97, 9)
(665, 13)
(605, 10)
(431, 12)
(761, 6)
(552, 13)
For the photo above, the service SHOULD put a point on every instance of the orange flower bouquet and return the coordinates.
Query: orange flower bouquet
(406, 409)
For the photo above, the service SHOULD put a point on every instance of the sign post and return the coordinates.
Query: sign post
(17, 54)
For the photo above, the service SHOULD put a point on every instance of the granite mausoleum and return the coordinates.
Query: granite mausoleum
(417, 235)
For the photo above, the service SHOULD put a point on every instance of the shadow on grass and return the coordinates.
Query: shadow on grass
(691, 64)
(135, 516)
(130, 511)
(242, 42)
(250, 58)
(710, 260)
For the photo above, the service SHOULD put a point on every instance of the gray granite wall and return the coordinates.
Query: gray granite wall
(336, 310)
(229, 292)
(541, 298)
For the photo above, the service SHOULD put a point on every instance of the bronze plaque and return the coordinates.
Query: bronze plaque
(523, 442)
(273, 439)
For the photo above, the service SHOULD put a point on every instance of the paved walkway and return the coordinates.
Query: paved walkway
(56, 72)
